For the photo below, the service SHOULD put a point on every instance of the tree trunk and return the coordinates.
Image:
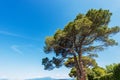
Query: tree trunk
(80, 72)
(77, 66)
(83, 75)
(81, 66)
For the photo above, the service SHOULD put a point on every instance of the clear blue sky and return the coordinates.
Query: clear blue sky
(24, 24)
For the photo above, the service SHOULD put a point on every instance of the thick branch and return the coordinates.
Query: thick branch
(89, 42)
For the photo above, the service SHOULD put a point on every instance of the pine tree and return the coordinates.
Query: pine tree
(87, 34)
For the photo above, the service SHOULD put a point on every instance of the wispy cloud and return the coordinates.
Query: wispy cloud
(16, 35)
(16, 49)
(10, 34)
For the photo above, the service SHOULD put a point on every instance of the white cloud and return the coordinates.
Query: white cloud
(16, 49)
(17, 35)
(10, 34)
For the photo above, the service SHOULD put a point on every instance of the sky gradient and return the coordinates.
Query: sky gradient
(24, 24)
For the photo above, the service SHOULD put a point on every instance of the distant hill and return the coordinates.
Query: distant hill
(3, 79)
(47, 78)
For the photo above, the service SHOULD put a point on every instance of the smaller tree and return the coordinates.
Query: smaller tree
(116, 72)
(112, 73)
(110, 68)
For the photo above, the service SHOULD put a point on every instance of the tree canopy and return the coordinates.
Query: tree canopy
(85, 35)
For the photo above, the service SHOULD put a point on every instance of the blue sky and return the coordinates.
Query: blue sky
(24, 24)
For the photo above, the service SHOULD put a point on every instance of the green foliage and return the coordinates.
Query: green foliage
(110, 68)
(73, 72)
(87, 62)
(113, 73)
(105, 77)
(99, 71)
(90, 74)
(116, 72)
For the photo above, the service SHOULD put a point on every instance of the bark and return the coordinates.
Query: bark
(83, 74)
(82, 77)
(77, 66)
